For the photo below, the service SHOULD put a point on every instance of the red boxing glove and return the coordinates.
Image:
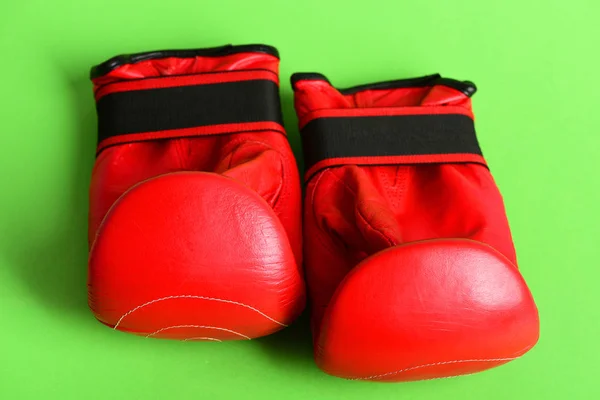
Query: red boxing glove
(194, 202)
(410, 263)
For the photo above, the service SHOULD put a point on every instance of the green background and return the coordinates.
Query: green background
(536, 66)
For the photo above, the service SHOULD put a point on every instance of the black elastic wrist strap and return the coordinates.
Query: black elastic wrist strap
(180, 107)
(378, 136)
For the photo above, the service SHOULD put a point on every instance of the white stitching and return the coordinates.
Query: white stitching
(195, 297)
(197, 326)
(203, 338)
(433, 365)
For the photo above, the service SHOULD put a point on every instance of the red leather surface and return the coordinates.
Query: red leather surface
(183, 80)
(387, 302)
(172, 66)
(196, 237)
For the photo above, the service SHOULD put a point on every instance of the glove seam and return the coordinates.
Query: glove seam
(275, 199)
(520, 354)
(389, 241)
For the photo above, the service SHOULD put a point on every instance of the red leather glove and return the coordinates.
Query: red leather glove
(194, 203)
(410, 263)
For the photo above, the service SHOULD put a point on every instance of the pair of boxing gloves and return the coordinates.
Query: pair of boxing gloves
(197, 233)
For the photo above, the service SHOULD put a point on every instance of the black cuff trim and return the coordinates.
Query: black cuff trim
(468, 88)
(378, 136)
(117, 61)
(307, 76)
(153, 110)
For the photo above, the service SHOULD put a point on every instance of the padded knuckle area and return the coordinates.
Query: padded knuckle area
(427, 310)
(194, 249)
